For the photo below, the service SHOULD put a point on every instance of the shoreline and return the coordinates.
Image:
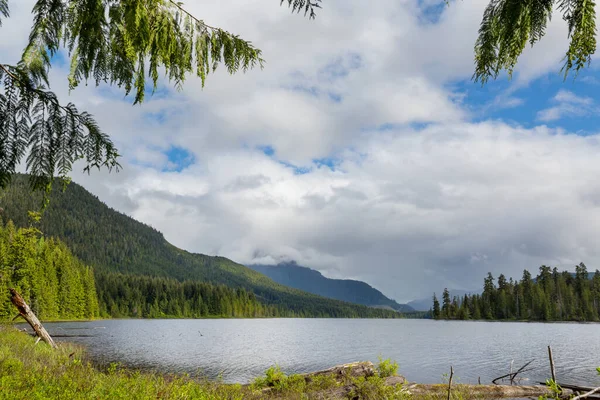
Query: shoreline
(30, 370)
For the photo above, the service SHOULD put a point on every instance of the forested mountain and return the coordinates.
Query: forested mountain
(293, 275)
(53, 282)
(550, 296)
(113, 242)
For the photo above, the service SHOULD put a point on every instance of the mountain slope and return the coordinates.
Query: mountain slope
(306, 279)
(113, 242)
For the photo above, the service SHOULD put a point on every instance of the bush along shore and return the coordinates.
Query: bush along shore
(36, 371)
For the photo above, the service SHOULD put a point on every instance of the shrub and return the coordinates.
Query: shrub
(387, 367)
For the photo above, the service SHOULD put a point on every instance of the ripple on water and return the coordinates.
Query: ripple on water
(241, 349)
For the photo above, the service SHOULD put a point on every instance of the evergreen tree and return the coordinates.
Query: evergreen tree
(436, 308)
(53, 282)
(446, 304)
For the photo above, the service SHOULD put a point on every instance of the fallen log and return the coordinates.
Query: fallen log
(30, 317)
(590, 392)
(482, 391)
(353, 370)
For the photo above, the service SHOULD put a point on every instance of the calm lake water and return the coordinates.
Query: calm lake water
(241, 349)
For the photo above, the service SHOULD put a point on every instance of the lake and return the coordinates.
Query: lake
(241, 349)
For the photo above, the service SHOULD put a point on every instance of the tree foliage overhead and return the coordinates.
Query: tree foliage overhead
(508, 25)
(126, 43)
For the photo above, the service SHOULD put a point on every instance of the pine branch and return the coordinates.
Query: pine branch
(33, 121)
(7, 71)
(183, 10)
(308, 6)
(4, 11)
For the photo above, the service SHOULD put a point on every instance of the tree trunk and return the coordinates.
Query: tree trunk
(30, 317)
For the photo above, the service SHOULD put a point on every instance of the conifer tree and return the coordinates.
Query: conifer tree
(446, 304)
(436, 308)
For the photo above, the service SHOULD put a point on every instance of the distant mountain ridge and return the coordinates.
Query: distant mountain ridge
(293, 275)
(112, 242)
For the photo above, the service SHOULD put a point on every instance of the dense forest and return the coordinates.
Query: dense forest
(112, 242)
(147, 297)
(550, 296)
(54, 283)
(157, 297)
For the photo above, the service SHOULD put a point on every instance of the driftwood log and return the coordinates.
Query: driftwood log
(584, 392)
(29, 316)
(482, 391)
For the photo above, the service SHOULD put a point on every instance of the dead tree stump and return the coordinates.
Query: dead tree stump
(30, 317)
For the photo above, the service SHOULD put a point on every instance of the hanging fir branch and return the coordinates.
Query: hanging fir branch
(3, 10)
(307, 5)
(507, 26)
(33, 123)
(121, 42)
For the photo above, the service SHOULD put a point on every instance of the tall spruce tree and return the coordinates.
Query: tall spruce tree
(436, 308)
(121, 42)
(446, 304)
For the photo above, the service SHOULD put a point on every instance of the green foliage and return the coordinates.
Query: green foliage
(374, 388)
(113, 242)
(120, 42)
(4, 10)
(122, 296)
(54, 283)
(436, 313)
(273, 378)
(307, 5)
(33, 123)
(387, 367)
(555, 388)
(551, 296)
(508, 25)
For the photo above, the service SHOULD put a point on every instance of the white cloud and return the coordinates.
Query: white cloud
(569, 105)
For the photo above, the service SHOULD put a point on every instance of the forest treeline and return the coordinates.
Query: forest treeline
(552, 295)
(138, 296)
(54, 282)
(156, 297)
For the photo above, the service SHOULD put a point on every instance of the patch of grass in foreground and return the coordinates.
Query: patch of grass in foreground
(30, 371)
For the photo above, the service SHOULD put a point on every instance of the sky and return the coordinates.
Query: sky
(362, 149)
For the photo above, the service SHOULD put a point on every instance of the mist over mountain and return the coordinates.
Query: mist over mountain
(296, 276)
